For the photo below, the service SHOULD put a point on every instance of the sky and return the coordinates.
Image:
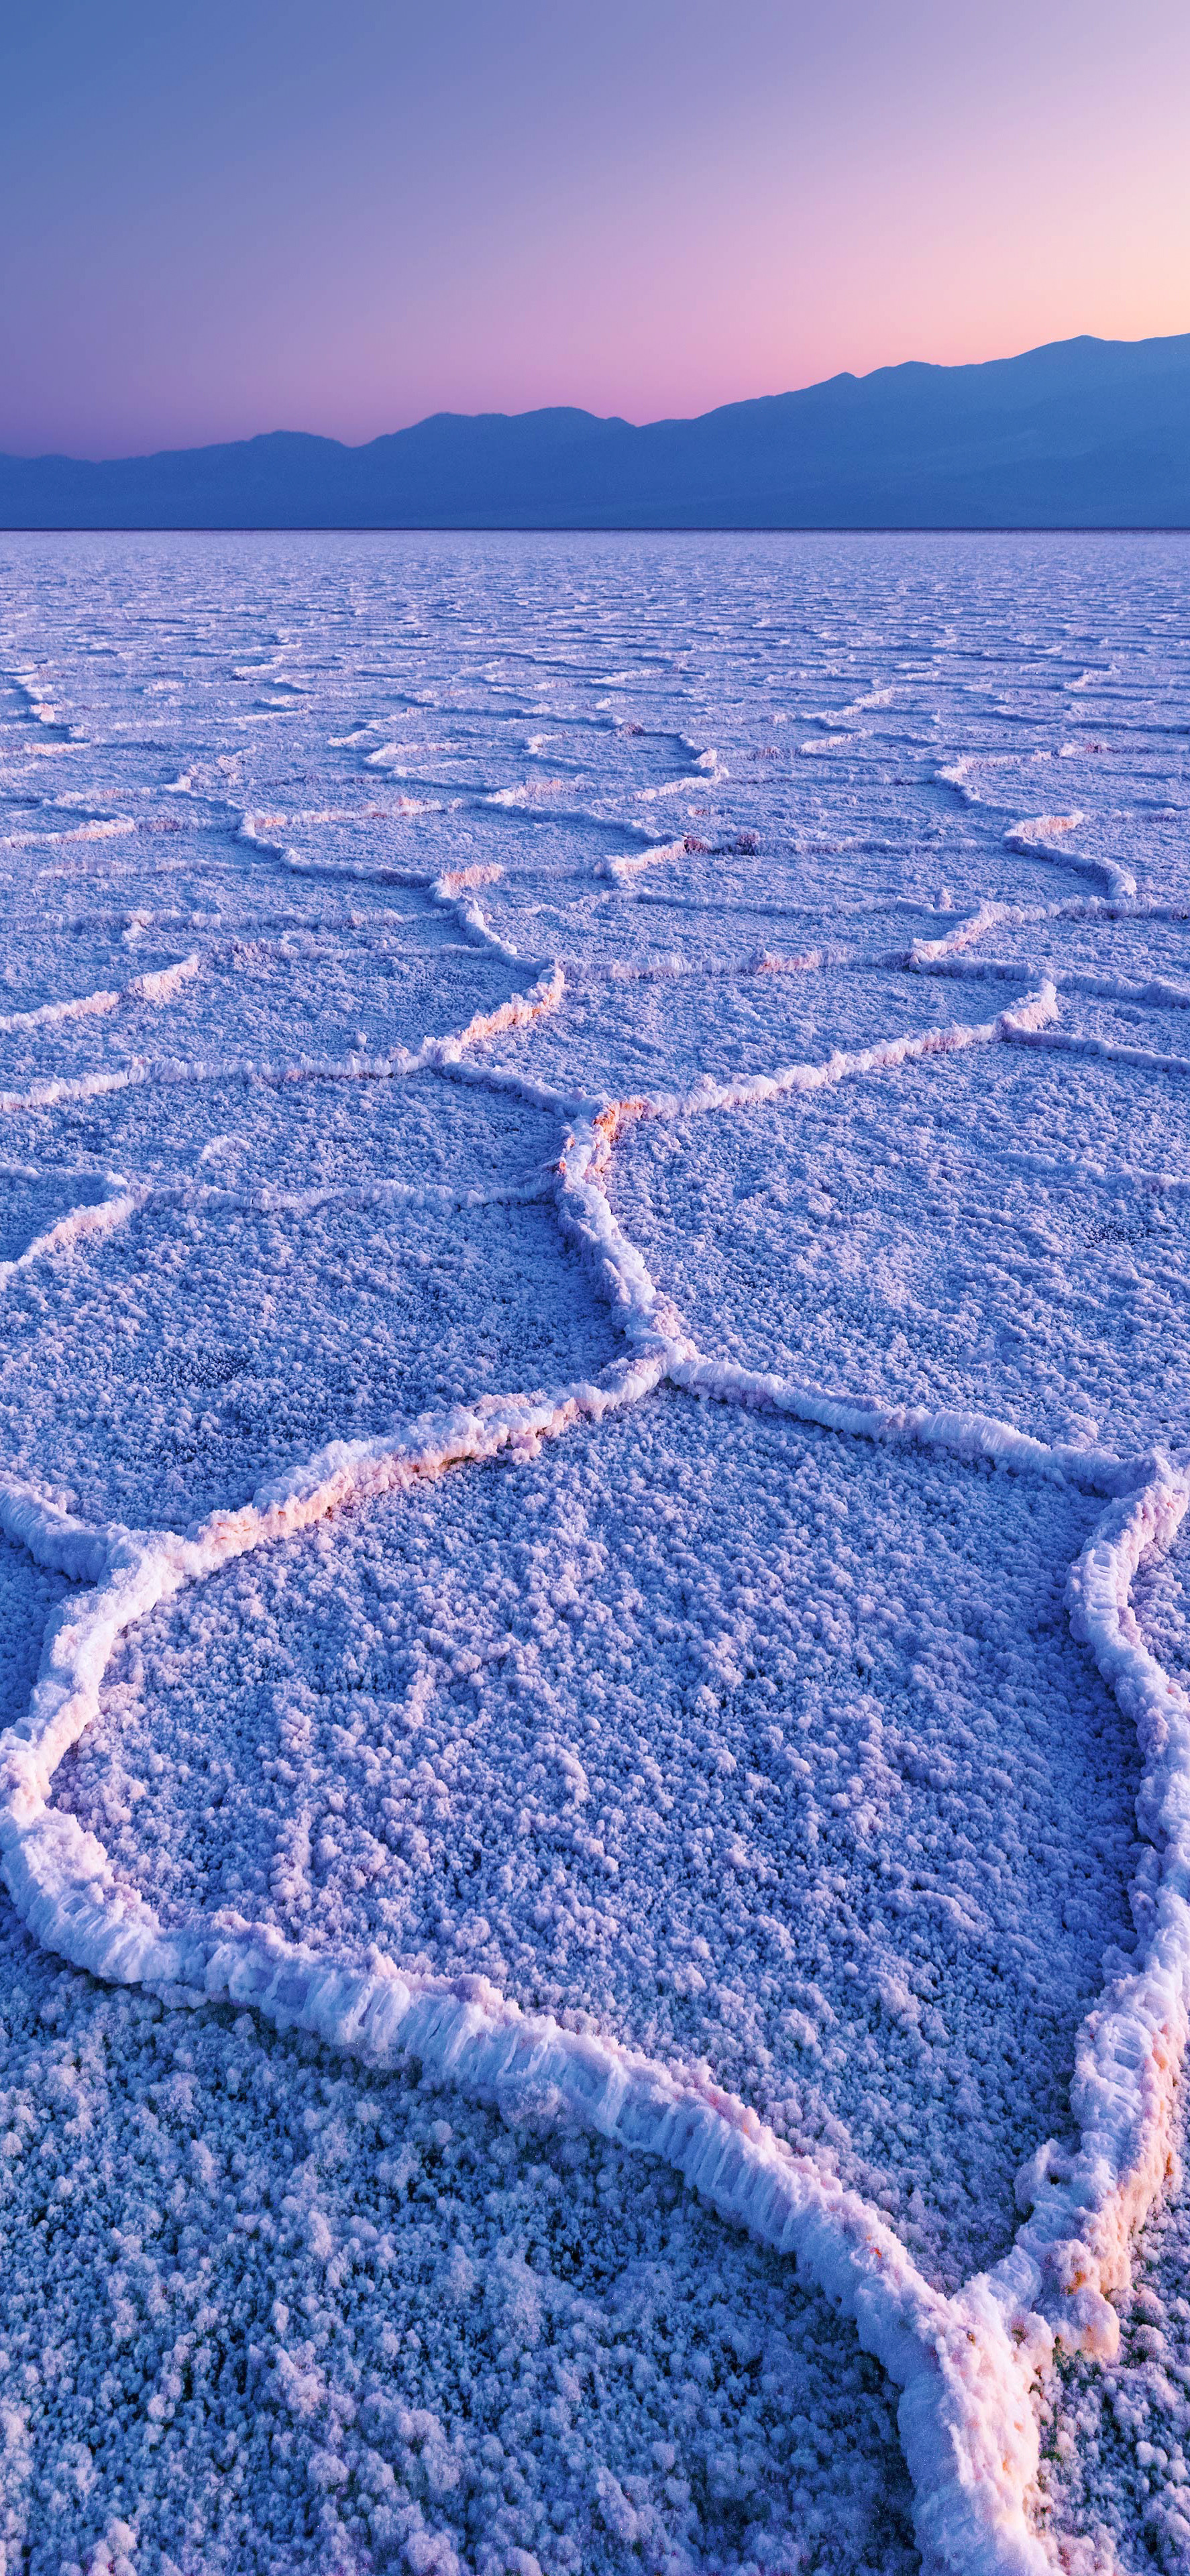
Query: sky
(227, 216)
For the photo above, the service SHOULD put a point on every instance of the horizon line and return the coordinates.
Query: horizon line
(605, 527)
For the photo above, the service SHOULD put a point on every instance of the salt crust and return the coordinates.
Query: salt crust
(1114, 2442)
(1010, 1232)
(963, 2364)
(966, 2365)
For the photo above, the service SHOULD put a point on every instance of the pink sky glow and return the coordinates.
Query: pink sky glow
(243, 215)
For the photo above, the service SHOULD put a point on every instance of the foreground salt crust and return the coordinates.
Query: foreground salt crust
(966, 2364)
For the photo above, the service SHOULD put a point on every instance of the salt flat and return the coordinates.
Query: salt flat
(594, 1430)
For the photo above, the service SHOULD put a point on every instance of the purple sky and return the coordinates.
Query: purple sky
(223, 216)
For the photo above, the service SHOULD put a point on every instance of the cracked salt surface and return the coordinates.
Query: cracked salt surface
(618, 1272)
(151, 1399)
(739, 1021)
(379, 987)
(714, 1729)
(996, 1232)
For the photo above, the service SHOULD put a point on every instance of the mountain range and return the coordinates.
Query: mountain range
(1082, 433)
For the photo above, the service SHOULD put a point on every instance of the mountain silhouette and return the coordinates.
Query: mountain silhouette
(1082, 433)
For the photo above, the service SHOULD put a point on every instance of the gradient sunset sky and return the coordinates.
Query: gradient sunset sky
(224, 216)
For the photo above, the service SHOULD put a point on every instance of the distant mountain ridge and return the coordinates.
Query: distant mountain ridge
(1083, 433)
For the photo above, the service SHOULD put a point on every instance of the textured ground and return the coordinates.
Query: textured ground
(340, 880)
